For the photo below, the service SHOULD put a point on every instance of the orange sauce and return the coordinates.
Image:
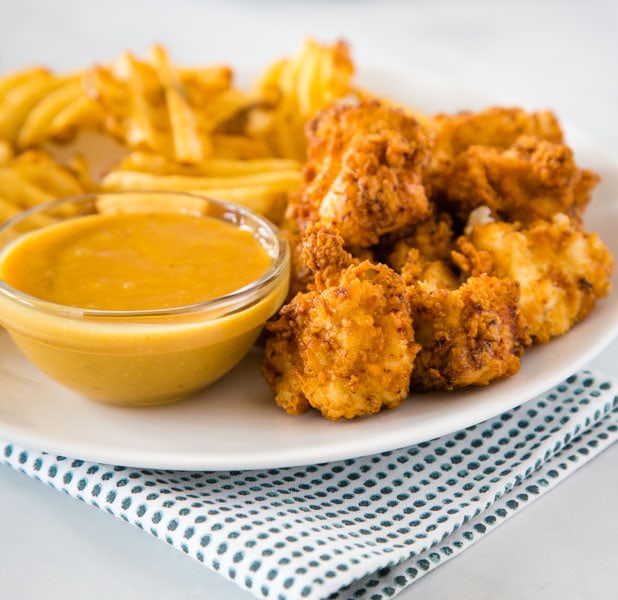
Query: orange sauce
(135, 261)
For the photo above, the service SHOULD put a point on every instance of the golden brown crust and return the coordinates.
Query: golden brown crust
(494, 127)
(345, 347)
(514, 162)
(532, 179)
(470, 336)
(561, 269)
(363, 175)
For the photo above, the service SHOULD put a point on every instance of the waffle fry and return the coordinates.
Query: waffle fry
(298, 87)
(57, 114)
(12, 81)
(19, 93)
(37, 105)
(32, 178)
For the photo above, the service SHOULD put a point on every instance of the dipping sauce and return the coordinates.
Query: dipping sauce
(135, 261)
(139, 298)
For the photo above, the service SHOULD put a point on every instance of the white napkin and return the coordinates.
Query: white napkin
(364, 527)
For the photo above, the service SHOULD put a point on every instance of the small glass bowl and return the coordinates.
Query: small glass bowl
(142, 357)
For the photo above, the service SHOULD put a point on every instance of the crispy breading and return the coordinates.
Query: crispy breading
(363, 175)
(346, 346)
(561, 269)
(514, 162)
(415, 268)
(472, 335)
(301, 274)
(532, 179)
(424, 254)
(496, 127)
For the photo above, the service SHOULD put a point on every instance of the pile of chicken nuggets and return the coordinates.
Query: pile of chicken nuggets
(429, 251)
(428, 255)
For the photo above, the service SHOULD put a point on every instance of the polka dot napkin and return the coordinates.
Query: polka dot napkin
(360, 528)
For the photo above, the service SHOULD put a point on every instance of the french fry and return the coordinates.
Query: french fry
(23, 193)
(78, 167)
(38, 122)
(268, 83)
(9, 209)
(159, 165)
(119, 180)
(18, 100)
(222, 108)
(144, 202)
(16, 79)
(201, 82)
(188, 147)
(36, 105)
(80, 113)
(158, 107)
(264, 192)
(240, 146)
(41, 170)
(6, 152)
(266, 200)
(144, 120)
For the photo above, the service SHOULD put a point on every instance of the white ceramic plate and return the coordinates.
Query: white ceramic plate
(235, 424)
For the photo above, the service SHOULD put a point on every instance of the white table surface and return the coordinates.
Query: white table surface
(562, 55)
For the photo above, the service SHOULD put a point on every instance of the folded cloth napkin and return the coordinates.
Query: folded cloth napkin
(364, 527)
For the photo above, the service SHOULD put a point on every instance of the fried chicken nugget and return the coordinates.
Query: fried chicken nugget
(472, 335)
(561, 269)
(496, 127)
(363, 176)
(346, 346)
(532, 179)
(514, 162)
